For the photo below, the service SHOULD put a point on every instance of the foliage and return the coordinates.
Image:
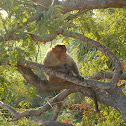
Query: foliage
(106, 26)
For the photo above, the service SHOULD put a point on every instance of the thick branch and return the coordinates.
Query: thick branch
(70, 5)
(75, 80)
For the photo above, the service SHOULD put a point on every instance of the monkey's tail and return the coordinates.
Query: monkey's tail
(95, 99)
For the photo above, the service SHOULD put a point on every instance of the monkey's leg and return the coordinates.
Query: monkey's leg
(56, 80)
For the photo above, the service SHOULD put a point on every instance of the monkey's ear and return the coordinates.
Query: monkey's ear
(53, 48)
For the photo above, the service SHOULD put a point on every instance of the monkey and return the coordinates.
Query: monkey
(57, 58)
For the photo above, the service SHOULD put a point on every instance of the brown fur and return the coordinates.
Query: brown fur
(53, 59)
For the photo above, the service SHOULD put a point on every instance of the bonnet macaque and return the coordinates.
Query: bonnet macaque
(56, 58)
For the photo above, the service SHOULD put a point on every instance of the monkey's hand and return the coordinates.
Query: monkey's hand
(80, 77)
(67, 69)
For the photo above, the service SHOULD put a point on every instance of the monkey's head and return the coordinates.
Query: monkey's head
(60, 51)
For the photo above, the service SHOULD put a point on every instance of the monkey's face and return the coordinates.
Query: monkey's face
(60, 53)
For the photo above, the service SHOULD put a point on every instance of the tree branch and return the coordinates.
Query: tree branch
(72, 16)
(18, 27)
(48, 37)
(40, 110)
(70, 5)
(72, 79)
(103, 75)
(57, 110)
(9, 108)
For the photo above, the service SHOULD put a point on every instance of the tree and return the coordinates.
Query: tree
(49, 20)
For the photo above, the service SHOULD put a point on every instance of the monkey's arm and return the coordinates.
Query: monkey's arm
(74, 68)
